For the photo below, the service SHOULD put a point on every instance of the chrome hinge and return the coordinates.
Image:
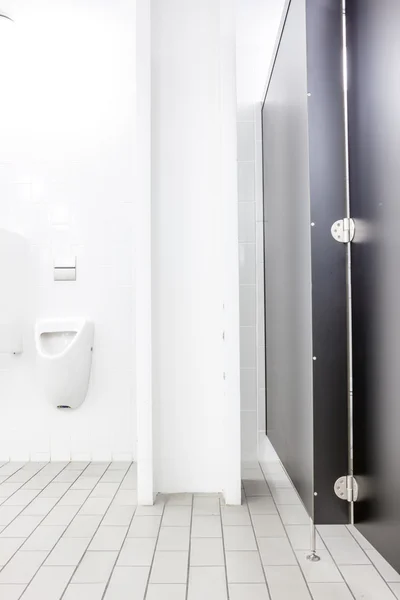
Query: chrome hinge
(346, 488)
(343, 230)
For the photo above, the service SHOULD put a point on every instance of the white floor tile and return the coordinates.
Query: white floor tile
(235, 515)
(55, 490)
(83, 526)
(21, 527)
(207, 582)
(85, 483)
(61, 515)
(40, 507)
(109, 538)
(365, 583)
(21, 498)
(95, 506)
(22, 567)
(137, 552)
(330, 591)
(261, 505)
(67, 552)
(11, 592)
(84, 591)
(125, 498)
(169, 567)
(293, 514)
(286, 583)
(206, 552)
(360, 539)
(173, 539)
(74, 498)
(207, 527)
(48, 584)
(346, 551)
(300, 537)
(144, 527)
(121, 465)
(206, 505)
(39, 482)
(179, 500)
(133, 579)
(8, 514)
(324, 571)
(8, 547)
(239, 538)
(169, 591)
(105, 490)
(248, 591)
(332, 531)
(44, 538)
(148, 511)
(8, 489)
(177, 516)
(395, 587)
(285, 496)
(268, 526)
(119, 516)
(256, 488)
(244, 567)
(66, 477)
(384, 568)
(112, 476)
(95, 567)
(276, 551)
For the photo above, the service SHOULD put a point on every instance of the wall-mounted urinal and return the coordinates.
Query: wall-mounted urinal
(64, 359)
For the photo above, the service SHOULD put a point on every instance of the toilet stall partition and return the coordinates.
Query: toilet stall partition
(305, 268)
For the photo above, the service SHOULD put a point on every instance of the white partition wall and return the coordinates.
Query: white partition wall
(196, 411)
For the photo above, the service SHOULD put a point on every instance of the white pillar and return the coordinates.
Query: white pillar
(143, 262)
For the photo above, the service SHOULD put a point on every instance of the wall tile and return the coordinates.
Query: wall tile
(245, 113)
(246, 137)
(247, 263)
(248, 389)
(247, 297)
(246, 182)
(249, 435)
(247, 223)
(248, 348)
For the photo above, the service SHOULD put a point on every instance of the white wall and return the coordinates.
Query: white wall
(251, 259)
(193, 91)
(67, 120)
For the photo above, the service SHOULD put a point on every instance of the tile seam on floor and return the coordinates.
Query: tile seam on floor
(224, 550)
(154, 553)
(21, 486)
(256, 539)
(189, 553)
(40, 522)
(97, 528)
(286, 534)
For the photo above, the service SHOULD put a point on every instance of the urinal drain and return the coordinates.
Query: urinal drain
(63, 406)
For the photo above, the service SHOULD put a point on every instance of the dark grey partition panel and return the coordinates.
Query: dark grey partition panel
(304, 193)
(374, 143)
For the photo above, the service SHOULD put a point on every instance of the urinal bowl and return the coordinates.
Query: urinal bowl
(64, 359)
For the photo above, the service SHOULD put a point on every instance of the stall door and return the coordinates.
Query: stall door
(305, 268)
(374, 143)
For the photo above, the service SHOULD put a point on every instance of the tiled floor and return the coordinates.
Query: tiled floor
(73, 531)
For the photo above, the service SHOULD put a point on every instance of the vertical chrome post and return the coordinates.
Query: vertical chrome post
(313, 556)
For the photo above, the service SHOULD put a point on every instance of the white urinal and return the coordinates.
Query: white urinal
(64, 359)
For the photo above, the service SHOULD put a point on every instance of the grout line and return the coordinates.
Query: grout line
(190, 548)
(22, 484)
(372, 563)
(255, 537)
(97, 528)
(154, 553)
(25, 540)
(224, 549)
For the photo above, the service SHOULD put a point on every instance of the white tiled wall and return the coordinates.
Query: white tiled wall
(67, 184)
(251, 271)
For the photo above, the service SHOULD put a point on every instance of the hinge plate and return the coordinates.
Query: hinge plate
(343, 230)
(346, 488)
